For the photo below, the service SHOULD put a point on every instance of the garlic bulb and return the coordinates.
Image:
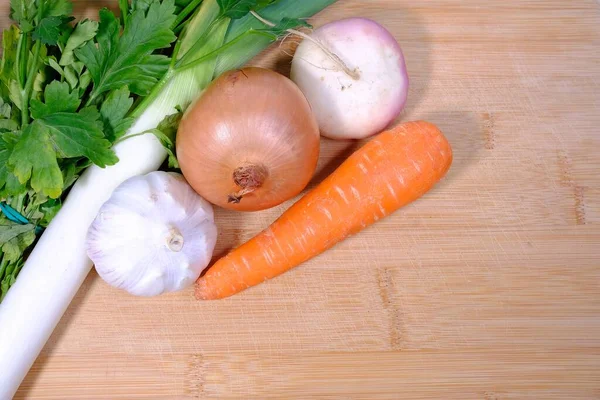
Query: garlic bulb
(154, 235)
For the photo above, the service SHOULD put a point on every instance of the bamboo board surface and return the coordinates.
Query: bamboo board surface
(486, 288)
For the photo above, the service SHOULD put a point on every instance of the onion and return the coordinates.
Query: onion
(250, 142)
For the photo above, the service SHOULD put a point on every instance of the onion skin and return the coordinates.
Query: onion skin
(250, 142)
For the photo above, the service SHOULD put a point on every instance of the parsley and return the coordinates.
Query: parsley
(165, 132)
(33, 160)
(128, 60)
(113, 113)
(48, 30)
(84, 32)
(66, 94)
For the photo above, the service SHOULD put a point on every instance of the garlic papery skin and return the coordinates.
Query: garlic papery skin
(154, 235)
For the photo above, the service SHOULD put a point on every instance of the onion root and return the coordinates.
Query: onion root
(248, 178)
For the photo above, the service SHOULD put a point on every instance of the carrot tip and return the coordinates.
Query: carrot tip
(201, 291)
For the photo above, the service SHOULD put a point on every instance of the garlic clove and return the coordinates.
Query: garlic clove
(154, 235)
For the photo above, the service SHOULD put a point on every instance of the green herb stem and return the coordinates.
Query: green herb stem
(124, 7)
(156, 91)
(91, 98)
(177, 30)
(185, 12)
(175, 53)
(3, 265)
(31, 75)
(130, 136)
(21, 59)
(223, 48)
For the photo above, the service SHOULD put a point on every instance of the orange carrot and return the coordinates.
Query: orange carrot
(392, 170)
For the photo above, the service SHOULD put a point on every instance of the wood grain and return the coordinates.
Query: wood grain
(487, 288)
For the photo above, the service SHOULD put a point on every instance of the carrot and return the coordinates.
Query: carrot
(392, 170)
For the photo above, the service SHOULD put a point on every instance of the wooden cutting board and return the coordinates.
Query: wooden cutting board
(486, 288)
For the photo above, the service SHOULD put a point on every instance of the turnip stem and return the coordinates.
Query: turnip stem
(261, 19)
(334, 57)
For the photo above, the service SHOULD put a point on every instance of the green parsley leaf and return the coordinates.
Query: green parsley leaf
(5, 109)
(9, 184)
(79, 134)
(72, 73)
(22, 11)
(72, 168)
(166, 132)
(48, 30)
(71, 77)
(150, 68)
(38, 83)
(168, 126)
(236, 9)
(57, 8)
(169, 147)
(41, 59)
(8, 125)
(17, 10)
(84, 81)
(15, 238)
(33, 157)
(10, 40)
(51, 61)
(84, 32)
(127, 60)
(77, 67)
(49, 209)
(57, 98)
(14, 93)
(10, 276)
(141, 4)
(113, 111)
(31, 211)
(12, 186)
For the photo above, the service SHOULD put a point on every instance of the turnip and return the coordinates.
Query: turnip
(353, 73)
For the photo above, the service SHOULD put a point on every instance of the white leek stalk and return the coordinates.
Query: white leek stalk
(56, 268)
(58, 264)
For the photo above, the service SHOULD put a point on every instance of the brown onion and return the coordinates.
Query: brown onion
(250, 142)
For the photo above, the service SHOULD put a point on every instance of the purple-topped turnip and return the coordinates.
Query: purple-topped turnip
(354, 76)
